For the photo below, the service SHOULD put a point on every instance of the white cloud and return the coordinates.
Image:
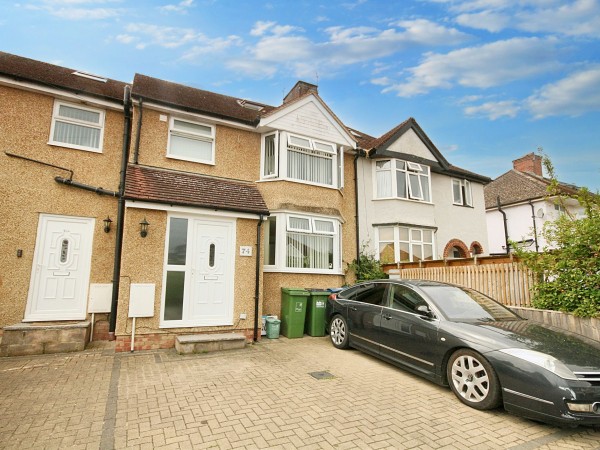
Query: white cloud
(494, 110)
(574, 95)
(578, 18)
(181, 7)
(75, 10)
(260, 28)
(426, 32)
(382, 81)
(485, 20)
(126, 38)
(485, 66)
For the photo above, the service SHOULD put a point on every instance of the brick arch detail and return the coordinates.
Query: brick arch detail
(476, 248)
(458, 244)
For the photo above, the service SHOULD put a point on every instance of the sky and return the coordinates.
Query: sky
(487, 80)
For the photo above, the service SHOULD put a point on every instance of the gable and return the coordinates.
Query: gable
(410, 143)
(308, 117)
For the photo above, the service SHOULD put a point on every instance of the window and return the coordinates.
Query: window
(301, 159)
(191, 141)
(404, 244)
(371, 293)
(299, 243)
(402, 179)
(77, 127)
(405, 299)
(461, 192)
(270, 153)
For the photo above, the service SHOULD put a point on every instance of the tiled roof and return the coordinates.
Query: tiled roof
(187, 189)
(49, 75)
(515, 186)
(196, 100)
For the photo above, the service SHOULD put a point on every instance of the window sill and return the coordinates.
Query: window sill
(302, 271)
(290, 180)
(197, 161)
(75, 147)
(463, 206)
(420, 202)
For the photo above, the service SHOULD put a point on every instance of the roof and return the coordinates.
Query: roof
(49, 75)
(189, 189)
(515, 187)
(197, 100)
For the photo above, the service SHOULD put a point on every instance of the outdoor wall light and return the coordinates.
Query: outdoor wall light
(107, 223)
(144, 228)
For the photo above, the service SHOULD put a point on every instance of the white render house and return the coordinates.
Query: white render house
(413, 204)
(517, 206)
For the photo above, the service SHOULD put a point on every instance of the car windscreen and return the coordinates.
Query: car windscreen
(462, 304)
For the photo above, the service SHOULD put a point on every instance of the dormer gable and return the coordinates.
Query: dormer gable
(308, 115)
(407, 141)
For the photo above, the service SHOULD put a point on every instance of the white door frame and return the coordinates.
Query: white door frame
(191, 271)
(78, 311)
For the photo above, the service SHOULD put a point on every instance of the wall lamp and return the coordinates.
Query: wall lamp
(144, 228)
(107, 223)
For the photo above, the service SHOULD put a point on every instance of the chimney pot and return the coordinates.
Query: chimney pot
(531, 163)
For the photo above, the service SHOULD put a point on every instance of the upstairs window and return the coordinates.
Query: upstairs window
(301, 159)
(395, 178)
(191, 141)
(78, 127)
(461, 192)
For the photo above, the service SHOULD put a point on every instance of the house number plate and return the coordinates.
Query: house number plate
(245, 250)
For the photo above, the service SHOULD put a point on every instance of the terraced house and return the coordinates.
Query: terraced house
(152, 210)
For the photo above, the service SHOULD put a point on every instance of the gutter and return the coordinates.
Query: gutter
(112, 321)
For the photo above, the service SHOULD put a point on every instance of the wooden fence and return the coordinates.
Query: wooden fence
(504, 279)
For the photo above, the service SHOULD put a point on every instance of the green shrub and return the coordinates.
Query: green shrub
(367, 267)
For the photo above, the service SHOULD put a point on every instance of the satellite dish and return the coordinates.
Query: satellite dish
(540, 213)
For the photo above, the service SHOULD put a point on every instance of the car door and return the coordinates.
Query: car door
(364, 315)
(409, 336)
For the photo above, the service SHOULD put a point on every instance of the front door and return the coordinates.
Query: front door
(61, 269)
(199, 272)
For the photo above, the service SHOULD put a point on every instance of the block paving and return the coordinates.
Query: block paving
(259, 397)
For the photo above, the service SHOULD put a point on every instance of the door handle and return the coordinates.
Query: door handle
(387, 316)
(352, 308)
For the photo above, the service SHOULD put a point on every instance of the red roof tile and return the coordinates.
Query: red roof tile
(188, 189)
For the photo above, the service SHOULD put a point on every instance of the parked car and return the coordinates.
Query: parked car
(488, 355)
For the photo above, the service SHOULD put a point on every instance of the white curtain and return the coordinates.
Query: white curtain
(309, 251)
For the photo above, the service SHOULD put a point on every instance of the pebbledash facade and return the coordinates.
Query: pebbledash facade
(161, 209)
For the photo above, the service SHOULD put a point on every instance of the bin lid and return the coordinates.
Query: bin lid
(295, 291)
(316, 290)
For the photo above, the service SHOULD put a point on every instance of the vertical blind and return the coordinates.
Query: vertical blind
(309, 251)
(310, 165)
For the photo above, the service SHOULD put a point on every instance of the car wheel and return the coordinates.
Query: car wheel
(338, 331)
(473, 380)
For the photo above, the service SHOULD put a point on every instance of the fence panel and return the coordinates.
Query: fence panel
(508, 282)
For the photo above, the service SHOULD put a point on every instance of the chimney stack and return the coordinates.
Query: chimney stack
(299, 89)
(531, 163)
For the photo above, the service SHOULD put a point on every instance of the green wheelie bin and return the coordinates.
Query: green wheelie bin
(315, 312)
(293, 311)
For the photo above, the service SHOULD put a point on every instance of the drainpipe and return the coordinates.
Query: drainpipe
(87, 187)
(136, 151)
(505, 225)
(356, 156)
(112, 321)
(257, 280)
(535, 239)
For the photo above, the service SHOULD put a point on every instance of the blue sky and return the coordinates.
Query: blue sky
(487, 80)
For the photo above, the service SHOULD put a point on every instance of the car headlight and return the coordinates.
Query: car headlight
(543, 360)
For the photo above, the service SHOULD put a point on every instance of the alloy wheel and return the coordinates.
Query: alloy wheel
(338, 331)
(470, 378)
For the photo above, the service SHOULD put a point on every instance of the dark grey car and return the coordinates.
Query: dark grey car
(459, 337)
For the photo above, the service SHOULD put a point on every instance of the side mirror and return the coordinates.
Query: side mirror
(424, 311)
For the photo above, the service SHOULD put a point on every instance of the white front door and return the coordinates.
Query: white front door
(200, 264)
(211, 299)
(61, 269)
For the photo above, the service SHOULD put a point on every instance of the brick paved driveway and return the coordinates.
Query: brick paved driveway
(259, 397)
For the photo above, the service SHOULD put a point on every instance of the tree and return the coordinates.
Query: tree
(569, 274)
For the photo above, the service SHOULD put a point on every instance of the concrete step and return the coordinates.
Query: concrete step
(39, 338)
(203, 343)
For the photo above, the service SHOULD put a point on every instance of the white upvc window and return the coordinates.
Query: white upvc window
(461, 192)
(78, 127)
(298, 158)
(270, 156)
(405, 244)
(395, 178)
(302, 243)
(191, 141)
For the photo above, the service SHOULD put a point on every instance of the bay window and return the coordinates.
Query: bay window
(395, 178)
(301, 159)
(405, 244)
(302, 243)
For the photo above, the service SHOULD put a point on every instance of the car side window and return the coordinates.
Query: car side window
(371, 293)
(405, 299)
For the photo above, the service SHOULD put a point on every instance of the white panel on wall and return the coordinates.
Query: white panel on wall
(141, 300)
(100, 298)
